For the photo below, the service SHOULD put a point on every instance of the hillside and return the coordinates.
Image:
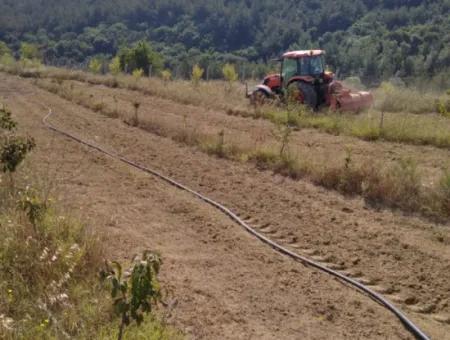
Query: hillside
(374, 39)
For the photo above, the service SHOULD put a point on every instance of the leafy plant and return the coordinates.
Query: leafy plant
(32, 205)
(230, 75)
(283, 133)
(4, 49)
(13, 148)
(13, 151)
(135, 294)
(138, 73)
(197, 74)
(114, 66)
(443, 107)
(7, 60)
(95, 65)
(6, 121)
(166, 76)
(29, 51)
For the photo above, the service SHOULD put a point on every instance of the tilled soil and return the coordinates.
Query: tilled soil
(225, 283)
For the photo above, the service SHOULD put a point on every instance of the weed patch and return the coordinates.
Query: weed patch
(49, 264)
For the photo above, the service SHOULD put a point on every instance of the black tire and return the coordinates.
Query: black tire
(309, 94)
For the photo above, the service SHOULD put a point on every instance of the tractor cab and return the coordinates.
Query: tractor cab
(303, 78)
(302, 65)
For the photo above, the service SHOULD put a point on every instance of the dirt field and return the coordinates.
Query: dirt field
(225, 283)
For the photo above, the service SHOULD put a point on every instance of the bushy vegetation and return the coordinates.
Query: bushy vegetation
(140, 57)
(371, 39)
(49, 286)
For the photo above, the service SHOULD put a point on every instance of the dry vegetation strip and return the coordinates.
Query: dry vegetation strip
(49, 262)
(409, 116)
(398, 186)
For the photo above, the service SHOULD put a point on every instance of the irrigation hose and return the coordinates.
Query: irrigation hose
(410, 326)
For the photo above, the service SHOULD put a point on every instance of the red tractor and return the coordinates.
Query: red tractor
(303, 78)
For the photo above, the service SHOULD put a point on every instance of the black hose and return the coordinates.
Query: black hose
(410, 326)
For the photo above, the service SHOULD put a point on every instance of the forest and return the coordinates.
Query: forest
(372, 39)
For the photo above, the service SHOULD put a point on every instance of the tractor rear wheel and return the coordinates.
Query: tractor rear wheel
(303, 93)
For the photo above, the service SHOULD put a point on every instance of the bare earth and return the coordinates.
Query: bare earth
(227, 285)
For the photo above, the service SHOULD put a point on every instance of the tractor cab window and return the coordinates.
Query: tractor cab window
(305, 66)
(311, 66)
(290, 69)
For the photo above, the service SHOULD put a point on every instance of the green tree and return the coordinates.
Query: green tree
(141, 56)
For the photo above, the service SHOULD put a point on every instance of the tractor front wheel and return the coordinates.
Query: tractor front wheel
(259, 98)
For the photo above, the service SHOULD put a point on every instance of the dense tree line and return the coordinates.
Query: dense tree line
(374, 39)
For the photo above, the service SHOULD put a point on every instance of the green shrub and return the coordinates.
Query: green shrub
(134, 295)
(95, 65)
(114, 66)
(29, 51)
(166, 76)
(13, 148)
(197, 74)
(230, 75)
(138, 73)
(49, 264)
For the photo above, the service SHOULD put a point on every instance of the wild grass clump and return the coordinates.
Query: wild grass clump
(398, 186)
(443, 194)
(48, 264)
(391, 98)
(216, 145)
(347, 179)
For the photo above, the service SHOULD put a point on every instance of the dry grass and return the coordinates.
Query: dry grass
(48, 270)
(49, 265)
(390, 98)
(49, 287)
(373, 125)
(213, 94)
(397, 186)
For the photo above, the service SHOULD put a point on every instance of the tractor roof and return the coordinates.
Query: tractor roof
(303, 53)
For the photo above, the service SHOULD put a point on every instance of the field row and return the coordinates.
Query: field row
(400, 115)
(382, 173)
